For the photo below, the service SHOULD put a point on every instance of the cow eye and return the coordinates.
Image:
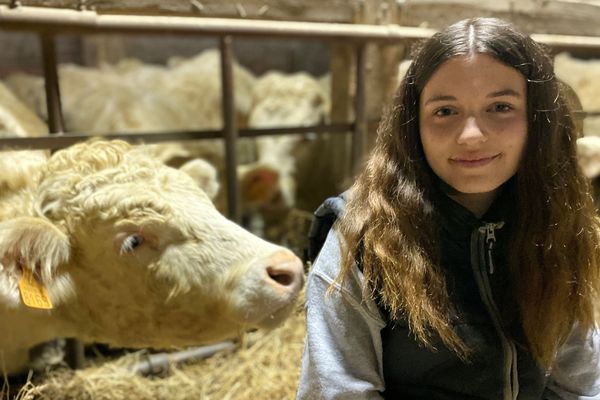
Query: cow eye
(130, 243)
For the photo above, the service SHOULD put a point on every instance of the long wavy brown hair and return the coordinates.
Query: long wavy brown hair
(554, 254)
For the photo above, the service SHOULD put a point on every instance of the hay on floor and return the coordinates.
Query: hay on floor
(267, 369)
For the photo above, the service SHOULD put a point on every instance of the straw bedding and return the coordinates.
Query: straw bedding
(266, 369)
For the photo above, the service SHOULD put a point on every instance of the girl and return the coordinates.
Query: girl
(466, 262)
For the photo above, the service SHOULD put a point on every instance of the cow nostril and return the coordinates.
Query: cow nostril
(284, 278)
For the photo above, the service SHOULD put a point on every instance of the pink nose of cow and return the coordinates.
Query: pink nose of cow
(285, 271)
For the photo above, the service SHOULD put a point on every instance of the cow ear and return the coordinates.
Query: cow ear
(204, 174)
(33, 243)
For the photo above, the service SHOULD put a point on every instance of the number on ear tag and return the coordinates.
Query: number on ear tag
(34, 294)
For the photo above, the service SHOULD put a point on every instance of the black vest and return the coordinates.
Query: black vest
(477, 281)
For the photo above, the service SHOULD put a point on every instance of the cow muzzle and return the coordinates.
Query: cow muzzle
(281, 277)
(284, 271)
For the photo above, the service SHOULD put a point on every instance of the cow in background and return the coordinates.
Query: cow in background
(583, 76)
(16, 120)
(133, 97)
(184, 95)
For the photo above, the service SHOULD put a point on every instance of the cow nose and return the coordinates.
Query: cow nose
(284, 271)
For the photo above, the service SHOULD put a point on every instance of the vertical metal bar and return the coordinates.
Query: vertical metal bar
(359, 133)
(229, 128)
(74, 353)
(74, 350)
(55, 117)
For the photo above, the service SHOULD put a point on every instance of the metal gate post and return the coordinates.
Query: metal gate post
(53, 104)
(74, 351)
(359, 131)
(229, 128)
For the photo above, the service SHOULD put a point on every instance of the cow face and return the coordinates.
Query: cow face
(135, 254)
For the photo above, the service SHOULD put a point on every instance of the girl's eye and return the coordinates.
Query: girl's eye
(501, 108)
(130, 243)
(444, 112)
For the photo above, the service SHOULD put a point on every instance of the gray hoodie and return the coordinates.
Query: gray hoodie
(343, 357)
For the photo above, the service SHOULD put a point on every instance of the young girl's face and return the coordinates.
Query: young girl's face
(473, 122)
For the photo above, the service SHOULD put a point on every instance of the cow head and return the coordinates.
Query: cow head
(133, 253)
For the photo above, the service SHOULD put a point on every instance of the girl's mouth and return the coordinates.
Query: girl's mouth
(474, 162)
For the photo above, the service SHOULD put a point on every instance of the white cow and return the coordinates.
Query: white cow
(135, 97)
(588, 155)
(131, 253)
(584, 77)
(281, 100)
(16, 120)
(186, 94)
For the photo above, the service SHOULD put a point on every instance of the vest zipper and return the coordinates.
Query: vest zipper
(490, 239)
(482, 244)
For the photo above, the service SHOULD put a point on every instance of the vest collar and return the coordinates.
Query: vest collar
(457, 217)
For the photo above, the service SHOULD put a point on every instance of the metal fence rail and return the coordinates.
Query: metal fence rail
(85, 21)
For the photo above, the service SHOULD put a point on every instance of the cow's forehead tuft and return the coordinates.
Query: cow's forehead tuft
(117, 177)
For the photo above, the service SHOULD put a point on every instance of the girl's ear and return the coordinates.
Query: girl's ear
(35, 244)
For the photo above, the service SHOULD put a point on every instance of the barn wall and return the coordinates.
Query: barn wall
(255, 54)
(294, 10)
(21, 51)
(565, 17)
(541, 16)
(552, 16)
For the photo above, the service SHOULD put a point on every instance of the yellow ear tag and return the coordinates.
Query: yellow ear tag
(34, 294)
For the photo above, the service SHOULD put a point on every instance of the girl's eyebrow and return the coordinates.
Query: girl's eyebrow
(433, 99)
(499, 93)
(505, 92)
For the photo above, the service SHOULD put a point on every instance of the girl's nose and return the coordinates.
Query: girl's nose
(471, 133)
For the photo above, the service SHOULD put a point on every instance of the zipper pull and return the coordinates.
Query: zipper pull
(490, 240)
(490, 262)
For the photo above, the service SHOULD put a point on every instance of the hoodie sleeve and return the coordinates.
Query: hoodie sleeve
(342, 351)
(576, 372)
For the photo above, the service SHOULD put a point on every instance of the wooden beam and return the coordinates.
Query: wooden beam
(305, 10)
(563, 17)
